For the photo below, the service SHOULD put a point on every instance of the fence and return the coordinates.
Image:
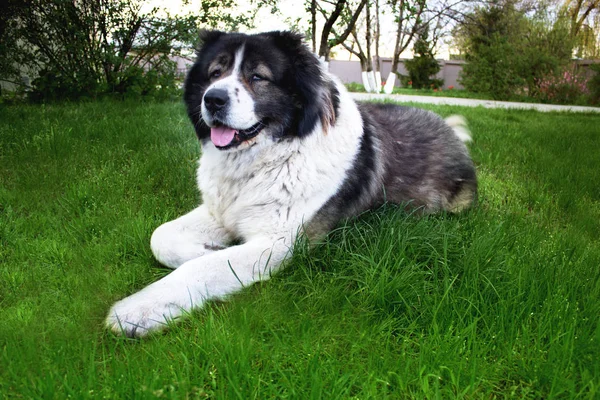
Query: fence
(349, 71)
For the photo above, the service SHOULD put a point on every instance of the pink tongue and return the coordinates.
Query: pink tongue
(221, 136)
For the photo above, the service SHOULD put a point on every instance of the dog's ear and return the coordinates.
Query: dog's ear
(308, 80)
(207, 37)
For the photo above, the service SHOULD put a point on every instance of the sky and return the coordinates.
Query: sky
(291, 10)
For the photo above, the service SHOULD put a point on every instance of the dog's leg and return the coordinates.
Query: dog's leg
(212, 276)
(188, 237)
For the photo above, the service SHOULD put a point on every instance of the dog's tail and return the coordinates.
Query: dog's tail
(459, 125)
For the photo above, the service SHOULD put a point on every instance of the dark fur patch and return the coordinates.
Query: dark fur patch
(207, 36)
(307, 83)
(353, 197)
(335, 99)
(361, 173)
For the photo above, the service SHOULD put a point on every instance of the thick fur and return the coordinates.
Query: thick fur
(318, 158)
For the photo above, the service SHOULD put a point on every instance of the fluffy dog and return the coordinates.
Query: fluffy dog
(286, 152)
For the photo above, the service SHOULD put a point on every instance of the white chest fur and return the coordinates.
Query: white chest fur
(274, 189)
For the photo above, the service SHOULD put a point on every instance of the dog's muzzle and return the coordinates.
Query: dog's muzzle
(216, 100)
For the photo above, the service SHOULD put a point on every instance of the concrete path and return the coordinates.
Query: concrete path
(472, 102)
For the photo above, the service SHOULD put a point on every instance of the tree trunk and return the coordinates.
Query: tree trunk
(313, 24)
(325, 46)
(377, 58)
(396, 57)
(377, 37)
(368, 39)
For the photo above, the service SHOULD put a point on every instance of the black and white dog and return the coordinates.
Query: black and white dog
(286, 152)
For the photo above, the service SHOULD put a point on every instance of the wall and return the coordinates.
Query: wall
(349, 71)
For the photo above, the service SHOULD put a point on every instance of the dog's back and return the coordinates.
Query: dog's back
(425, 160)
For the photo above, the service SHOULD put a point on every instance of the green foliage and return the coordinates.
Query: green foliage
(10, 59)
(489, 54)
(355, 87)
(584, 26)
(423, 65)
(547, 51)
(52, 85)
(594, 84)
(88, 48)
(566, 87)
(509, 52)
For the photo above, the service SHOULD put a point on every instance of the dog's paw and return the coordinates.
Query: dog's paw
(141, 314)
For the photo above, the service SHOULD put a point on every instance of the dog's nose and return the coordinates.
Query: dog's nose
(216, 99)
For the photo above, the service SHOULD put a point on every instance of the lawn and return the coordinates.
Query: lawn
(459, 93)
(465, 94)
(502, 301)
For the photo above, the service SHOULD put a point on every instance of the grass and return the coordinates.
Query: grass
(465, 94)
(457, 93)
(499, 302)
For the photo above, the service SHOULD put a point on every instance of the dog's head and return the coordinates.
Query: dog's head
(249, 89)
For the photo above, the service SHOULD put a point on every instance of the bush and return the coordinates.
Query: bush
(491, 71)
(422, 66)
(594, 84)
(509, 52)
(355, 87)
(89, 48)
(50, 85)
(157, 83)
(568, 87)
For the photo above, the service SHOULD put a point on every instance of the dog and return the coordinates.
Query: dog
(286, 152)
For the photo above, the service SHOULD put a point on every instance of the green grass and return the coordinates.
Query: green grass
(502, 301)
(457, 93)
(465, 94)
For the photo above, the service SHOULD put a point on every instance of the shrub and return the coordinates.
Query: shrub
(158, 83)
(509, 51)
(89, 48)
(567, 87)
(594, 84)
(355, 87)
(52, 85)
(422, 66)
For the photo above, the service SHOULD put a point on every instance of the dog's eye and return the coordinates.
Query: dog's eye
(256, 78)
(216, 73)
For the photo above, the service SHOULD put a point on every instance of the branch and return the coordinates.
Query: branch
(324, 46)
(351, 24)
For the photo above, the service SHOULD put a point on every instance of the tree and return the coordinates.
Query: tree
(377, 41)
(370, 81)
(423, 65)
(313, 24)
(491, 66)
(579, 12)
(344, 25)
(412, 15)
(584, 21)
(408, 19)
(509, 51)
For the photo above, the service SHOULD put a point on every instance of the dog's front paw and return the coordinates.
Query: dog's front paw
(142, 313)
